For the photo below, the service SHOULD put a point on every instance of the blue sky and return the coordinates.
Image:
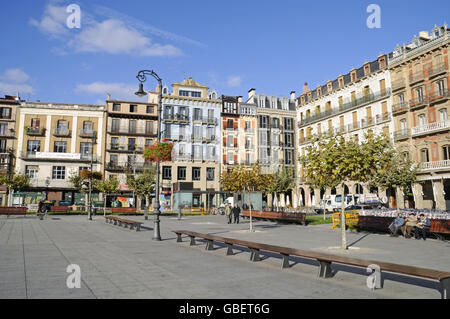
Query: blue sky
(231, 46)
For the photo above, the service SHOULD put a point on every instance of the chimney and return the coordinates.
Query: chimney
(292, 95)
(108, 96)
(239, 99)
(305, 87)
(251, 93)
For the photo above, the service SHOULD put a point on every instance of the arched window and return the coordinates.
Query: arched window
(422, 120)
(443, 115)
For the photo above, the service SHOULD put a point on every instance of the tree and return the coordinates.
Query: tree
(82, 181)
(244, 180)
(332, 160)
(14, 182)
(108, 186)
(284, 180)
(143, 185)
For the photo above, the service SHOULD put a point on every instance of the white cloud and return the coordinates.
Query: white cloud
(14, 81)
(117, 90)
(233, 81)
(112, 36)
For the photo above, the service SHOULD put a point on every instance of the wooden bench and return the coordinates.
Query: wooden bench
(13, 211)
(324, 259)
(126, 210)
(60, 209)
(278, 216)
(122, 221)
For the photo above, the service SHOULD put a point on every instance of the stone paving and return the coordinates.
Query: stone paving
(120, 263)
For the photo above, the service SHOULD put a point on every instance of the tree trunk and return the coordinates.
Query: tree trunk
(104, 204)
(9, 197)
(147, 204)
(344, 234)
(250, 207)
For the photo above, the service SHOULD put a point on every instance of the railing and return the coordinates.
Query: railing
(399, 107)
(61, 131)
(349, 104)
(208, 120)
(175, 138)
(5, 116)
(7, 133)
(87, 133)
(36, 131)
(402, 134)
(183, 156)
(249, 146)
(58, 156)
(126, 166)
(249, 131)
(231, 129)
(435, 165)
(131, 131)
(399, 84)
(416, 77)
(435, 97)
(431, 127)
(437, 69)
(418, 102)
(125, 148)
(176, 117)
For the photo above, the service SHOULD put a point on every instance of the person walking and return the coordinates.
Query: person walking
(228, 212)
(236, 211)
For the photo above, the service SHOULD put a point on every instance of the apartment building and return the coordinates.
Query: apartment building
(55, 141)
(420, 88)
(8, 109)
(191, 119)
(247, 133)
(130, 128)
(354, 105)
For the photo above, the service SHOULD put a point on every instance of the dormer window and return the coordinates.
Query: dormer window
(353, 76)
(319, 91)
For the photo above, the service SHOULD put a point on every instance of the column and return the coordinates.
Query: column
(439, 198)
(400, 198)
(418, 195)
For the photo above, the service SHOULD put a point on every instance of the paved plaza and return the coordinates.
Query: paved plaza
(120, 263)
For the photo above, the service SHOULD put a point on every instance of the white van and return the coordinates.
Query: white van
(222, 206)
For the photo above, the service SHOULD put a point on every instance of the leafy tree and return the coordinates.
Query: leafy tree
(332, 160)
(143, 185)
(108, 186)
(14, 182)
(244, 180)
(82, 180)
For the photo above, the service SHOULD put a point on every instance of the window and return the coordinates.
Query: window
(400, 98)
(3, 129)
(422, 120)
(150, 109)
(31, 171)
(87, 126)
(418, 92)
(195, 173)
(5, 112)
(197, 131)
(403, 124)
(167, 172)
(210, 115)
(59, 172)
(116, 107)
(86, 150)
(443, 115)
(113, 159)
(210, 173)
(148, 142)
(114, 143)
(424, 155)
(197, 114)
(35, 123)
(230, 124)
(60, 147)
(131, 144)
(115, 125)
(196, 94)
(33, 146)
(440, 87)
(182, 173)
(446, 152)
(132, 126)
(184, 93)
(133, 108)
(275, 123)
(230, 141)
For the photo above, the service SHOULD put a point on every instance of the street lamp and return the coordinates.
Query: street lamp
(141, 76)
(94, 136)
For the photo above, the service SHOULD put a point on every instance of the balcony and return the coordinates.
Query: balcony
(178, 118)
(55, 156)
(61, 132)
(439, 96)
(195, 138)
(399, 84)
(126, 166)
(431, 128)
(87, 133)
(249, 131)
(249, 146)
(418, 103)
(400, 108)
(437, 69)
(125, 148)
(205, 120)
(439, 165)
(402, 135)
(178, 138)
(35, 131)
(133, 131)
(416, 77)
(349, 104)
(210, 139)
(8, 133)
(182, 157)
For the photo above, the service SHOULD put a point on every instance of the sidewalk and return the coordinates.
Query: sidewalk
(119, 263)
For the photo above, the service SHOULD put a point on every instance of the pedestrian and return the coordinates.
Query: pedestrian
(409, 225)
(396, 224)
(228, 212)
(40, 205)
(244, 206)
(236, 211)
(422, 226)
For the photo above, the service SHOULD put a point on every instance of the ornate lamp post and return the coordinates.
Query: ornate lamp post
(141, 76)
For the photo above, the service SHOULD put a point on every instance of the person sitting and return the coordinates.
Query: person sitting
(396, 224)
(422, 226)
(409, 225)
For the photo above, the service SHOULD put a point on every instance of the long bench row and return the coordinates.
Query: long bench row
(325, 260)
(277, 216)
(8, 211)
(122, 221)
